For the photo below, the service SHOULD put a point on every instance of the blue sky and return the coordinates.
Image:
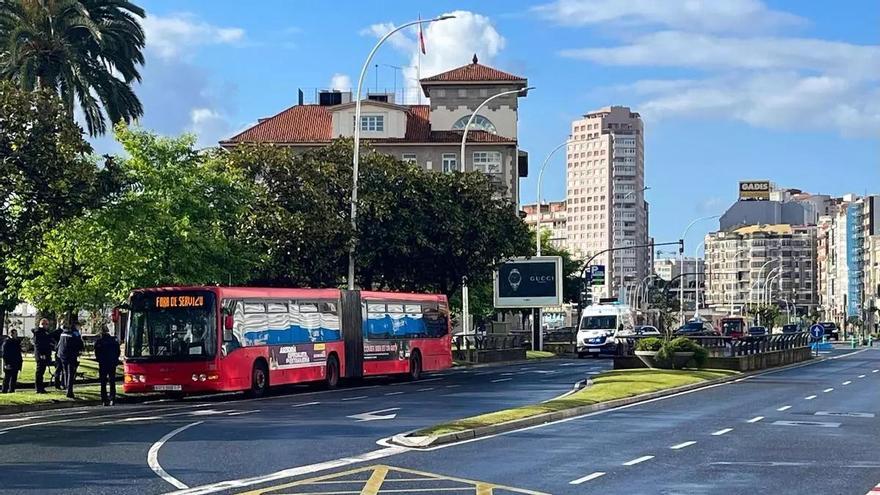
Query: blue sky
(729, 90)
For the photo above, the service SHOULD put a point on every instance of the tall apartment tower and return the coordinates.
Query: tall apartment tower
(606, 207)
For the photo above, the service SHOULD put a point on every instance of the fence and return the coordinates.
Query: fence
(489, 342)
(735, 347)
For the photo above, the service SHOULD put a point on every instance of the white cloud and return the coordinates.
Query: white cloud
(340, 82)
(449, 44)
(178, 34)
(695, 15)
(209, 125)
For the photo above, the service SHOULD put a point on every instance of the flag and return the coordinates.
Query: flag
(422, 38)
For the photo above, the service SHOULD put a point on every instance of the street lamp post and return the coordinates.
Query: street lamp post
(681, 263)
(465, 306)
(735, 292)
(697, 282)
(357, 137)
(540, 183)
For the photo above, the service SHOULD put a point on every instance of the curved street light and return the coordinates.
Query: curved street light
(681, 263)
(355, 161)
(540, 182)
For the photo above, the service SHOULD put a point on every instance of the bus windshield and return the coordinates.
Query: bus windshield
(608, 322)
(172, 327)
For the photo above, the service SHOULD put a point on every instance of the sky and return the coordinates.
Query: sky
(729, 90)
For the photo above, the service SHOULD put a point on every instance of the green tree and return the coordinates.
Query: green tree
(88, 51)
(47, 174)
(175, 223)
(767, 314)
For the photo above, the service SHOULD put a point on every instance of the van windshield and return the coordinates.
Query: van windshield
(608, 322)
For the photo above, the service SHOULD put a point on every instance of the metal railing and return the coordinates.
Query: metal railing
(489, 342)
(733, 347)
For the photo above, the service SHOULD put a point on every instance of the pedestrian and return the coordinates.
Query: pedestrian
(11, 353)
(42, 354)
(58, 373)
(107, 354)
(70, 346)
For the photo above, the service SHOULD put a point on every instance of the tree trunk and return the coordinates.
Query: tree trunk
(2, 321)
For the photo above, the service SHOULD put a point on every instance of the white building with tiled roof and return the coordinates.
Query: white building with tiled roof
(429, 135)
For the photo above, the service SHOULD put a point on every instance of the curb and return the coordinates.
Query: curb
(422, 442)
(48, 406)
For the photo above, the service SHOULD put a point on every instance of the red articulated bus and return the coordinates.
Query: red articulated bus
(203, 339)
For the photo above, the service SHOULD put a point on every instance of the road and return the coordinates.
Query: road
(153, 448)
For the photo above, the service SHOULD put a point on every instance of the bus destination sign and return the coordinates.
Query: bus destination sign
(180, 301)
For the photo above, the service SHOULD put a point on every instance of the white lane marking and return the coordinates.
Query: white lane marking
(820, 424)
(210, 412)
(359, 397)
(829, 389)
(638, 460)
(874, 371)
(304, 404)
(453, 386)
(755, 419)
(502, 380)
(430, 380)
(375, 415)
(810, 397)
(88, 418)
(506, 374)
(395, 393)
(153, 457)
(722, 432)
(131, 420)
(847, 382)
(586, 478)
(595, 373)
(292, 472)
(426, 389)
(682, 445)
(861, 376)
(242, 413)
(28, 418)
(570, 364)
(784, 408)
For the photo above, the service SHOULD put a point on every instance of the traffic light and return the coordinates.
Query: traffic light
(585, 296)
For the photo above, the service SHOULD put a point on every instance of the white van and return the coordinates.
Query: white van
(600, 326)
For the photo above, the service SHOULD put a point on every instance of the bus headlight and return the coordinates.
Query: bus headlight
(142, 378)
(195, 377)
(203, 377)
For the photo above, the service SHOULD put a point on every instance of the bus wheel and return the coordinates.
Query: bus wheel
(415, 366)
(331, 378)
(259, 380)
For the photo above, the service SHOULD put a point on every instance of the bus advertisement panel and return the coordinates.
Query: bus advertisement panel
(202, 339)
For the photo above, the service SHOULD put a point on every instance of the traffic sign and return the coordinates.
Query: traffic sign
(597, 275)
(817, 331)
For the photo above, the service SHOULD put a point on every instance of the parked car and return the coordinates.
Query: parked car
(831, 330)
(696, 329)
(757, 331)
(791, 328)
(646, 331)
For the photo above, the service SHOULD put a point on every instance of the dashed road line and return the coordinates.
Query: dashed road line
(426, 389)
(395, 393)
(586, 478)
(502, 380)
(638, 460)
(784, 408)
(304, 404)
(242, 413)
(426, 380)
(846, 382)
(359, 397)
(453, 386)
(829, 389)
(722, 432)
(810, 397)
(682, 445)
(861, 376)
(755, 419)
(874, 371)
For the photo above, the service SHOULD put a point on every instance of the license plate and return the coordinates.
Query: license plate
(594, 350)
(166, 388)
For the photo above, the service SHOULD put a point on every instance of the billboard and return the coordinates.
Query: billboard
(754, 189)
(529, 282)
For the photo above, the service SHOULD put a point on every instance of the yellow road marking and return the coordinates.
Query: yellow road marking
(375, 481)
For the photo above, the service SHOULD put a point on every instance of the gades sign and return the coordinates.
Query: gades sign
(754, 189)
(529, 283)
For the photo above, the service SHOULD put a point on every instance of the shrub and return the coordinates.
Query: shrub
(683, 344)
(649, 344)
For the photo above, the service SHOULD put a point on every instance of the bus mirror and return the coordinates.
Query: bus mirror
(228, 322)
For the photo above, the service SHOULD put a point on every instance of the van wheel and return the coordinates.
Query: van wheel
(331, 374)
(415, 366)
(259, 380)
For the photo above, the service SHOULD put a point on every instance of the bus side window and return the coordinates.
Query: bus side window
(231, 341)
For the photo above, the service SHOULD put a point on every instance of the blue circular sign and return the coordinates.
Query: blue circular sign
(817, 331)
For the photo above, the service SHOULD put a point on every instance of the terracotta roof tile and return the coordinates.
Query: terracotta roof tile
(473, 72)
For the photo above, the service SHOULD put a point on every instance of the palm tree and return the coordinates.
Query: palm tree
(88, 51)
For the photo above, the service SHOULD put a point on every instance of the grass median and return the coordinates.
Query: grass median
(539, 355)
(606, 387)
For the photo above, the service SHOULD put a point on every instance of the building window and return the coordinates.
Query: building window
(479, 123)
(487, 161)
(409, 157)
(371, 123)
(449, 162)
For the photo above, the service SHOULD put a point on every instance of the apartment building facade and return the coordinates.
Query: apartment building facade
(553, 220)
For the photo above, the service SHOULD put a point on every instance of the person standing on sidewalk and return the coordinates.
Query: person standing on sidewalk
(42, 354)
(11, 352)
(70, 346)
(107, 354)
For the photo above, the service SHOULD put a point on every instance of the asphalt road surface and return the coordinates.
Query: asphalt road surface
(166, 446)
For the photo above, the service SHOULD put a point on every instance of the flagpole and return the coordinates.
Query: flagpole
(419, 63)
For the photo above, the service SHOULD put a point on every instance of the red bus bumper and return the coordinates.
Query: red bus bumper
(177, 377)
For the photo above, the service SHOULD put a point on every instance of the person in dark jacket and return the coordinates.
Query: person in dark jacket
(107, 354)
(58, 373)
(70, 346)
(42, 354)
(11, 353)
